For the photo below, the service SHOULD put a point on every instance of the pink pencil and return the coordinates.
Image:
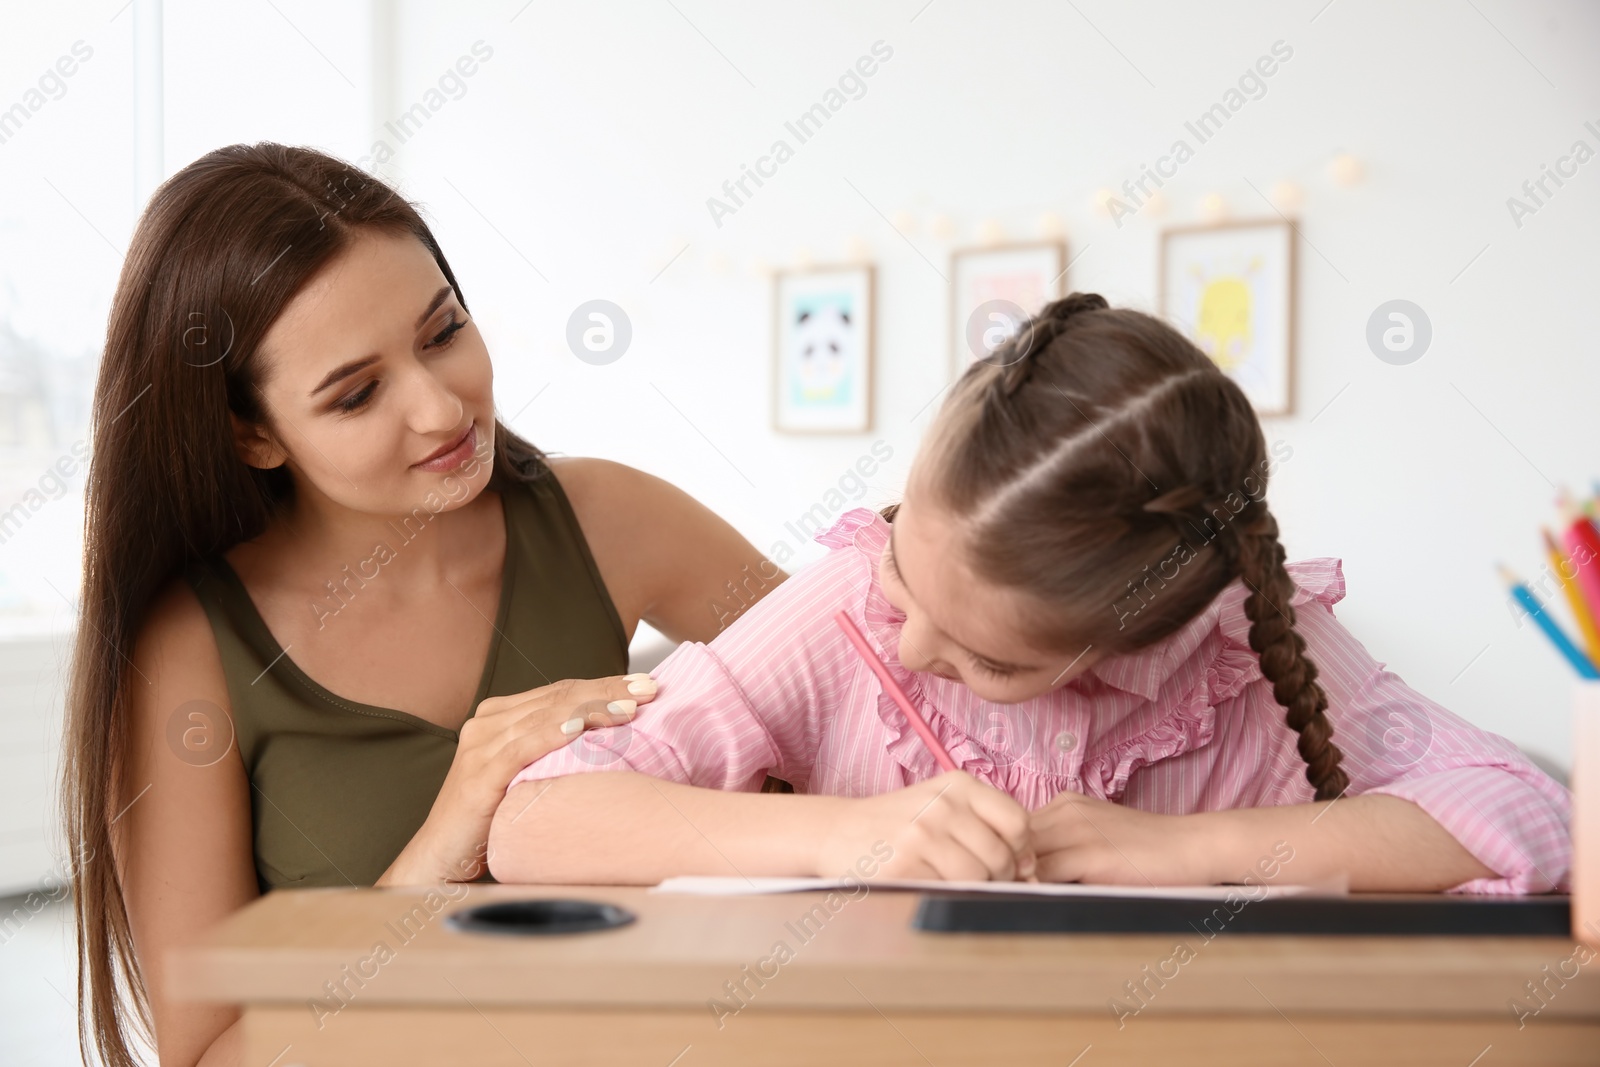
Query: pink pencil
(895, 692)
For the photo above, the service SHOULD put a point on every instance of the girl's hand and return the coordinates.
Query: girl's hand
(1082, 839)
(505, 735)
(952, 827)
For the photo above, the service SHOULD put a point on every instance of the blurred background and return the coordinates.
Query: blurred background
(579, 161)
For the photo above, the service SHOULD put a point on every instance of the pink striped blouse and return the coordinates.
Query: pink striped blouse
(1186, 725)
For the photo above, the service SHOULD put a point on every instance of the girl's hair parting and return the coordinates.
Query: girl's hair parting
(1101, 462)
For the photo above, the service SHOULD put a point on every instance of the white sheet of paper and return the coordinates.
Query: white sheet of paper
(710, 886)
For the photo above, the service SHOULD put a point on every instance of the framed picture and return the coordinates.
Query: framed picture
(993, 289)
(1230, 288)
(823, 321)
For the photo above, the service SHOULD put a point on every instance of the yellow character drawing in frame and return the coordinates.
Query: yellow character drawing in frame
(1223, 322)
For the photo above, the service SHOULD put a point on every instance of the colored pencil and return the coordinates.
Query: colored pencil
(1536, 611)
(896, 694)
(1582, 542)
(1569, 585)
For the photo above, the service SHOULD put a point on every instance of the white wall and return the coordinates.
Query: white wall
(588, 144)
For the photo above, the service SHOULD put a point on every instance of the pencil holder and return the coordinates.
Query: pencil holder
(1586, 813)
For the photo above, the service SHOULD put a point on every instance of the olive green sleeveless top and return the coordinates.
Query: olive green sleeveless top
(337, 787)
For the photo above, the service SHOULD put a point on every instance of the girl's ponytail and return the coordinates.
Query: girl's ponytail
(1282, 652)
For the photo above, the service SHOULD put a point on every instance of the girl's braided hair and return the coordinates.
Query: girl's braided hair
(1102, 463)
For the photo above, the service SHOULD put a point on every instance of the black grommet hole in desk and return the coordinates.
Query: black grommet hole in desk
(540, 917)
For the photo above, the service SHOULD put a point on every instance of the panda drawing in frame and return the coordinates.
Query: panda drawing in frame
(822, 350)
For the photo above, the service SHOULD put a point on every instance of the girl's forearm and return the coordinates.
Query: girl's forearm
(625, 828)
(1382, 842)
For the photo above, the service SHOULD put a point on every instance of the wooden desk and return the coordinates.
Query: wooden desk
(864, 988)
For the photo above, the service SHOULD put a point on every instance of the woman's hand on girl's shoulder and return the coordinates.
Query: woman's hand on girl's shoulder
(951, 827)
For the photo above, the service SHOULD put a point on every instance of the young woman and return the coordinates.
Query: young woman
(1084, 591)
(331, 604)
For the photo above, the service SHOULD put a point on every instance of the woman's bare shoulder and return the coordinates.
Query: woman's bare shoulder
(175, 652)
(615, 503)
(615, 492)
(588, 480)
(175, 613)
(663, 555)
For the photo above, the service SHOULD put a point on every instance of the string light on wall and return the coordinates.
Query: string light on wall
(926, 225)
(1287, 197)
(1346, 170)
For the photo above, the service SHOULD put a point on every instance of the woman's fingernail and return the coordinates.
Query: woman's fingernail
(625, 708)
(572, 726)
(642, 688)
(636, 677)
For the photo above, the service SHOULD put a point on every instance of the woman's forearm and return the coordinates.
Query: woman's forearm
(420, 863)
(1383, 843)
(624, 828)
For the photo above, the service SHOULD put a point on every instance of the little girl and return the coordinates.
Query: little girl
(1083, 591)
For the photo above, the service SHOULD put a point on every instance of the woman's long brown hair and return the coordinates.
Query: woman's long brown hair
(1101, 463)
(222, 247)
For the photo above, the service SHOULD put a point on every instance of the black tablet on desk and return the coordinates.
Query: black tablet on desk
(1382, 914)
